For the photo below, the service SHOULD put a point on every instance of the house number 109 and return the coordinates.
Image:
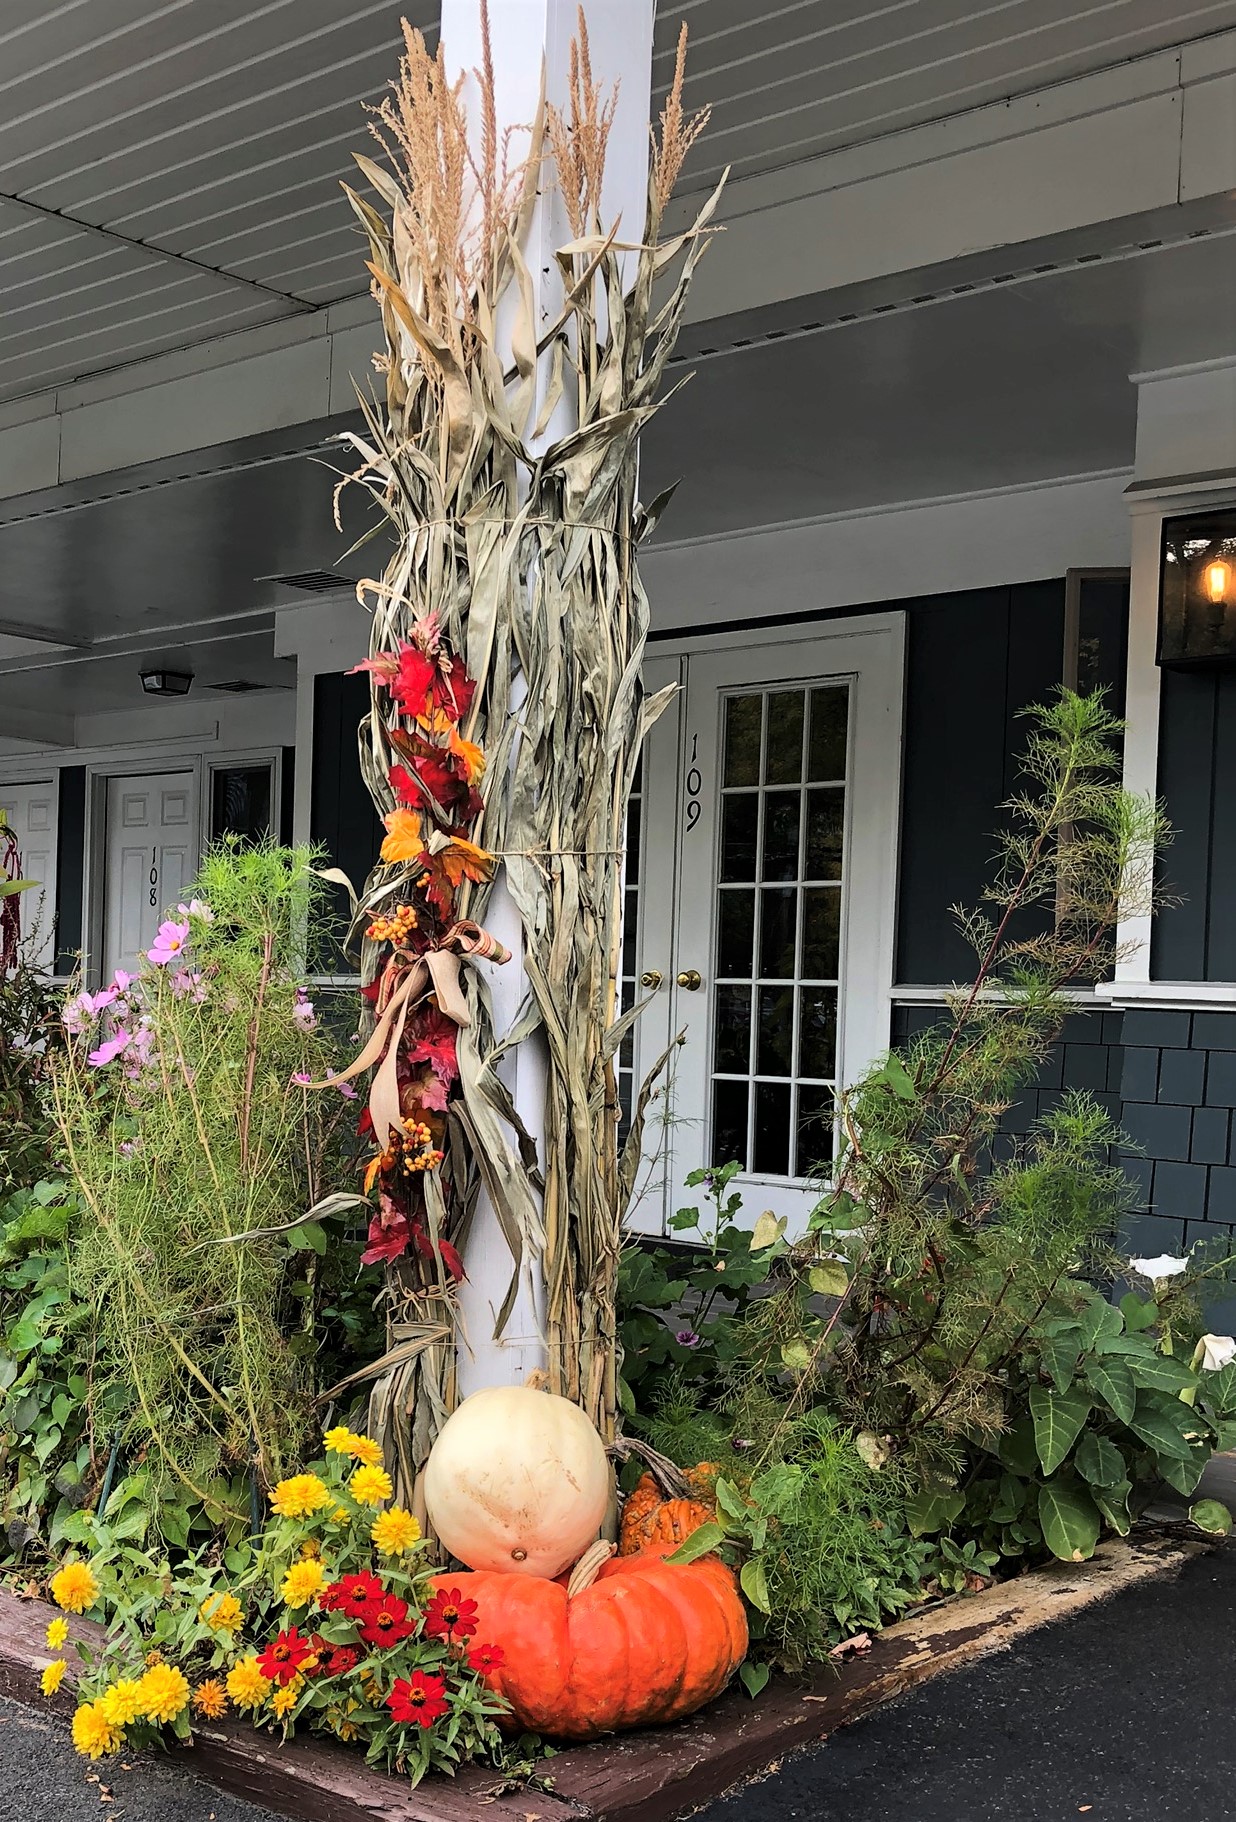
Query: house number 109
(695, 785)
(154, 878)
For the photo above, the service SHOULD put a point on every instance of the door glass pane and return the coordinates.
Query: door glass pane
(739, 823)
(815, 1128)
(827, 737)
(735, 933)
(729, 1122)
(772, 1128)
(732, 1039)
(782, 813)
(778, 930)
(785, 738)
(774, 1047)
(821, 933)
(742, 740)
(825, 827)
(779, 877)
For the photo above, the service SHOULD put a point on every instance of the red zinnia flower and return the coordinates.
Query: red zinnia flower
(283, 1657)
(355, 1595)
(387, 1623)
(449, 1615)
(485, 1658)
(420, 1698)
(342, 1659)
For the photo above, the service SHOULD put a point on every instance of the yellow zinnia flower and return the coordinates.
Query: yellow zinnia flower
(165, 1692)
(299, 1497)
(52, 1677)
(395, 1531)
(369, 1486)
(246, 1685)
(340, 1516)
(337, 1440)
(57, 1633)
(74, 1587)
(93, 1733)
(365, 1449)
(209, 1699)
(124, 1702)
(284, 1700)
(302, 1582)
(221, 1612)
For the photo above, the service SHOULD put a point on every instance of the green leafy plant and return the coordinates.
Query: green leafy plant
(209, 1250)
(946, 1301)
(30, 1035)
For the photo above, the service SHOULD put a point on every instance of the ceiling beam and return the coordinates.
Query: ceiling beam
(37, 727)
(156, 252)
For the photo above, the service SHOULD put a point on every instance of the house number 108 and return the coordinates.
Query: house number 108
(695, 785)
(154, 878)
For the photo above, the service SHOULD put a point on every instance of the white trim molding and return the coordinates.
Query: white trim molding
(1168, 996)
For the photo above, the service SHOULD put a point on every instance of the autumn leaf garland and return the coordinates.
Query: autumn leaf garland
(436, 803)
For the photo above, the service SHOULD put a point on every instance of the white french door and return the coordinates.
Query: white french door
(31, 813)
(151, 849)
(766, 902)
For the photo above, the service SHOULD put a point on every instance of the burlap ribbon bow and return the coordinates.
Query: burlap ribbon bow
(407, 981)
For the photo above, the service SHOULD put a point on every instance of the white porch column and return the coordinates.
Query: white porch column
(526, 38)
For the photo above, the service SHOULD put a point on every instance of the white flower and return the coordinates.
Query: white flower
(1216, 1351)
(1162, 1267)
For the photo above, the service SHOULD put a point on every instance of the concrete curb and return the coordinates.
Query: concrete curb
(639, 1777)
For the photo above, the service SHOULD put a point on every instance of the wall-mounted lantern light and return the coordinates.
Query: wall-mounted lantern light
(1197, 591)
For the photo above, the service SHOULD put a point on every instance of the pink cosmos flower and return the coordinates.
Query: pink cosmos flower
(197, 908)
(168, 943)
(302, 1078)
(303, 1011)
(78, 1014)
(121, 982)
(187, 983)
(110, 1050)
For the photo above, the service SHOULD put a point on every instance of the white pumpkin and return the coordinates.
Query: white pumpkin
(517, 1482)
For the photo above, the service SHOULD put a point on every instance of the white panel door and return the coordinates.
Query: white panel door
(778, 967)
(151, 856)
(31, 813)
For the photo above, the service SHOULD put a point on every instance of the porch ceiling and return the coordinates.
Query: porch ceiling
(800, 77)
(1006, 386)
(170, 167)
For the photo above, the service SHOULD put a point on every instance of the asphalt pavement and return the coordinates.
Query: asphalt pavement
(1124, 1713)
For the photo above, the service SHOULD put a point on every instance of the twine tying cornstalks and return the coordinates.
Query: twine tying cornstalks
(527, 562)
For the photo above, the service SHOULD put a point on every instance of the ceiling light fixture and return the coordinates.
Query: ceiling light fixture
(167, 683)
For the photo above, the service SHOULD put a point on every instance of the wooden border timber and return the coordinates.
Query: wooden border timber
(639, 1777)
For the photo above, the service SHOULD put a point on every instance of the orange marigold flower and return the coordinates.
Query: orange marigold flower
(210, 1699)
(403, 837)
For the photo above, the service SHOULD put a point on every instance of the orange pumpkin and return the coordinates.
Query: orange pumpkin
(645, 1643)
(648, 1517)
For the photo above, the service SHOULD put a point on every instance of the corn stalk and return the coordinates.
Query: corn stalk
(528, 560)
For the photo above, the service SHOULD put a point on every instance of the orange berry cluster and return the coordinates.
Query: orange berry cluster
(418, 1147)
(394, 929)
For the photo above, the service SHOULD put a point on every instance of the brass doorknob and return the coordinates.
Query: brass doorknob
(691, 979)
(651, 977)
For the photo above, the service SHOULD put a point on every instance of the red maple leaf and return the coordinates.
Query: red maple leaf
(433, 1042)
(389, 1234)
(413, 680)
